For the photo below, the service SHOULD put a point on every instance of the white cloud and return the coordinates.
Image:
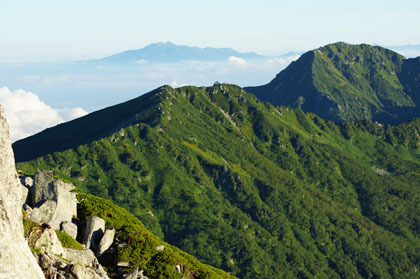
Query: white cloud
(93, 89)
(27, 114)
(280, 62)
(236, 61)
(141, 61)
(175, 84)
(68, 114)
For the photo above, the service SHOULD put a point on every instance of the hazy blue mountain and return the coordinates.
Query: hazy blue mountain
(169, 52)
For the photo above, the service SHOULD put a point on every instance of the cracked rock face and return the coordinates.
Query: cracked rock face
(16, 259)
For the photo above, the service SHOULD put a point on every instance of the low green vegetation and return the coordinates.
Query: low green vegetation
(28, 225)
(256, 190)
(139, 247)
(67, 241)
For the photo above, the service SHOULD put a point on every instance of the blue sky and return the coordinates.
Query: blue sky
(94, 28)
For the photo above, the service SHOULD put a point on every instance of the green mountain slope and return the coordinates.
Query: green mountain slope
(134, 245)
(138, 245)
(257, 190)
(343, 82)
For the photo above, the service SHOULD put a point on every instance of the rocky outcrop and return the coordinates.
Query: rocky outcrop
(106, 241)
(46, 240)
(56, 267)
(136, 274)
(44, 213)
(59, 262)
(87, 259)
(16, 259)
(54, 205)
(95, 228)
(69, 228)
(52, 200)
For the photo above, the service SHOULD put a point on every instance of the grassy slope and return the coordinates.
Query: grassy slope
(261, 191)
(141, 252)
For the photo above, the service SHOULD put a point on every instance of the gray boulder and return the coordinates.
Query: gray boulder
(69, 228)
(24, 196)
(133, 275)
(44, 213)
(141, 276)
(53, 200)
(51, 265)
(28, 181)
(80, 272)
(179, 268)
(106, 241)
(59, 268)
(94, 231)
(41, 189)
(136, 274)
(27, 208)
(46, 239)
(16, 259)
(85, 258)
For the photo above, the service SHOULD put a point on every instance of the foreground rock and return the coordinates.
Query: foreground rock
(87, 259)
(106, 242)
(136, 274)
(16, 259)
(95, 228)
(52, 200)
(59, 262)
(46, 240)
(69, 228)
(56, 267)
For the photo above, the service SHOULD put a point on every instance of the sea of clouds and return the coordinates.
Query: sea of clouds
(40, 95)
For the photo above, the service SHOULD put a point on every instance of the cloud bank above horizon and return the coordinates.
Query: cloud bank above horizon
(27, 114)
(97, 86)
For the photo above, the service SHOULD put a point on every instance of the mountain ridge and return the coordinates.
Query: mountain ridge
(343, 82)
(101, 123)
(254, 189)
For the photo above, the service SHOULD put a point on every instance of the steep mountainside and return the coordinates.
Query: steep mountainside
(342, 82)
(139, 248)
(257, 190)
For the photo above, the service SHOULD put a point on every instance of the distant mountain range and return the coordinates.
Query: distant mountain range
(343, 82)
(169, 52)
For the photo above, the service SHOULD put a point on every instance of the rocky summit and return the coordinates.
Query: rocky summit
(343, 82)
